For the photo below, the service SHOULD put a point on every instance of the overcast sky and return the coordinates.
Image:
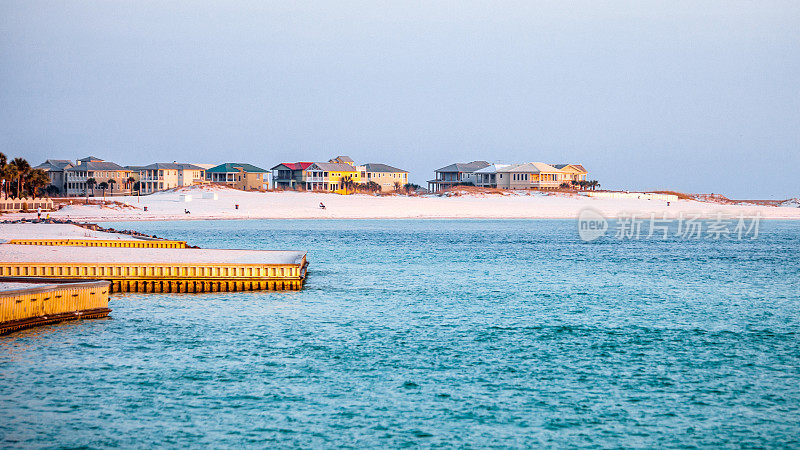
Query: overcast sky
(694, 96)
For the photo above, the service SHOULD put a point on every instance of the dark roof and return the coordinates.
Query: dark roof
(464, 167)
(97, 165)
(172, 166)
(54, 164)
(377, 167)
(344, 159)
(234, 167)
(90, 158)
(335, 167)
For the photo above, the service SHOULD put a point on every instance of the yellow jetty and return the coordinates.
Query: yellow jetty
(24, 305)
(84, 265)
(157, 269)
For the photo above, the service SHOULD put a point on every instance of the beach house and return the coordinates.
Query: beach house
(455, 174)
(54, 168)
(92, 174)
(242, 176)
(330, 175)
(160, 176)
(487, 177)
(532, 175)
(572, 172)
(290, 175)
(387, 177)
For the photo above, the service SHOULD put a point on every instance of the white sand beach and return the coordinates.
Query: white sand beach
(305, 205)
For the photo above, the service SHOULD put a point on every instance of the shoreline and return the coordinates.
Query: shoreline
(229, 204)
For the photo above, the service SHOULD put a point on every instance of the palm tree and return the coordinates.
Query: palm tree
(129, 182)
(594, 184)
(103, 185)
(10, 174)
(397, 186)
(4, 176)
(90, 184)
(346, 182)
(37, 178)
(22, 171)
(573, 183)
(111, 183)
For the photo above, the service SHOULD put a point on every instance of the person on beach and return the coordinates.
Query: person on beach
(321, 205)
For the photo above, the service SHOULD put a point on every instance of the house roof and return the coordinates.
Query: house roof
(464, 167)
(532, 167)
(54, 164)
(294, 166)
(172, 166)
(234, 167)
(577, 167)
(493, 168)
(90, 158)
(342, 159)
(97, 165)
(377, 167)
(334, 167)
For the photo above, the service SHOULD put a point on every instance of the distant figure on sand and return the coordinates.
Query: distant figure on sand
(186, 211)
(321, 205)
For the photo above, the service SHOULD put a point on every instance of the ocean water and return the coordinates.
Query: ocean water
(433, 333)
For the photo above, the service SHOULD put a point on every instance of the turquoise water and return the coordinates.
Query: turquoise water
(433, 333)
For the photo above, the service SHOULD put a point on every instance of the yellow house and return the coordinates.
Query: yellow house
(386, 176)
(329, 176)
(571, 172)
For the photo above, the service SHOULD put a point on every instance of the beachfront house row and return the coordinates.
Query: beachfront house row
(242, 176)
(106, 174)
(54, 168)
(327, 176)
(160, 176)
(455, 174)
(533, 175)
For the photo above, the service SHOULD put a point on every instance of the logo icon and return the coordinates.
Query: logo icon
(591, 225)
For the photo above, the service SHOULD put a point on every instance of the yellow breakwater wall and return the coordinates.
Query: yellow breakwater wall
(124, 243)
(149, 277)
(39, 305)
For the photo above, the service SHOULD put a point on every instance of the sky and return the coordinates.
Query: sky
(693, 96)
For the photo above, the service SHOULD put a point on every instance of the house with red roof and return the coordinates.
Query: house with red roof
(290, 175)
